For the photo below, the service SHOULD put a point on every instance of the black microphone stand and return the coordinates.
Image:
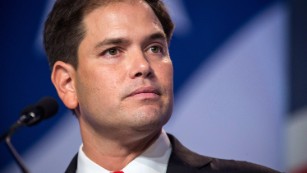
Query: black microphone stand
(7, 137)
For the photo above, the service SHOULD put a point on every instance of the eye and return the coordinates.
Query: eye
(112, 51)
(156, 49)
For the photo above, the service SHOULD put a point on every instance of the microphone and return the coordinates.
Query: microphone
(30, 115)
(34, 114)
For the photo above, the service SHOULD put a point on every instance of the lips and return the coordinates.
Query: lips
(145, 91)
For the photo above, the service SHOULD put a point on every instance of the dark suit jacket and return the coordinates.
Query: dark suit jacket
(182, 160)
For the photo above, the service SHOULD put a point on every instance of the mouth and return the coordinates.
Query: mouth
(147, 92)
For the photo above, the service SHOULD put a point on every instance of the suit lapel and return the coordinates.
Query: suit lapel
(72, 168)
(183, 160)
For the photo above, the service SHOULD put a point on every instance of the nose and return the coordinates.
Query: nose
(140, 66)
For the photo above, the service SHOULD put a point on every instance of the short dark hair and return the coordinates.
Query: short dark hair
(64, 29)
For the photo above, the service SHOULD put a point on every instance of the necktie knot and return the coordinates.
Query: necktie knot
(118, 172)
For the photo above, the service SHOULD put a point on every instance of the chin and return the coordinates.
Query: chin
(150, 119)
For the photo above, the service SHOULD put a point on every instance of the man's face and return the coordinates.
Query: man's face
(124, 78)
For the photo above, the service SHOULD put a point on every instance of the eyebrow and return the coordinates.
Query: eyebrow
(112, 41)
(157, 36)
(121, 41)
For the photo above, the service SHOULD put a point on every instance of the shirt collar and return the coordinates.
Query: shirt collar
(153, 160)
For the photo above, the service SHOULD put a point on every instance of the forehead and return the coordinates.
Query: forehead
(94, 4)
(121, 15)
(118, 6)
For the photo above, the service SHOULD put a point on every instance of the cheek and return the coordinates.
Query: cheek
(166, 72)
(104, 86)
(97, 94)
(89, 83)
(165, 77)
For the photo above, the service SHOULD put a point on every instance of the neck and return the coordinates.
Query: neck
(114, 153)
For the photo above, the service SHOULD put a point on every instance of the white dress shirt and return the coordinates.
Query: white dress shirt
(153, 160)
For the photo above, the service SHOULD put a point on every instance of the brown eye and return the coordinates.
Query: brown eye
(112, 51)
(156, 49)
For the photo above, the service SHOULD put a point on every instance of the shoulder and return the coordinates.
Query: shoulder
(185, 159)
(223, 165)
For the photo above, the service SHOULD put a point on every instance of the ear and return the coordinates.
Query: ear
(63, 79)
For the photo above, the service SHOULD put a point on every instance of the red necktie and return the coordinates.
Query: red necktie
(118, 172)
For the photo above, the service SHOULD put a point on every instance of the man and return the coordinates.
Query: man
(111, 66)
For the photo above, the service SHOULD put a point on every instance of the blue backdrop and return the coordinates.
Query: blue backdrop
(213, 39)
